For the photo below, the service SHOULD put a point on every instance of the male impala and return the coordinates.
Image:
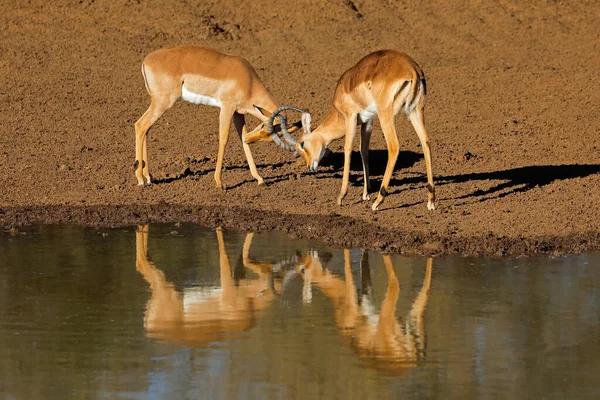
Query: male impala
(378, 338)
(205, 76)
(201, 315)
(381, 84)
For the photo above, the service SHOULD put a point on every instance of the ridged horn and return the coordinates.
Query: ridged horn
(286, 135)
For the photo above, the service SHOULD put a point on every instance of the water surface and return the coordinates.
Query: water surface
(187, 312)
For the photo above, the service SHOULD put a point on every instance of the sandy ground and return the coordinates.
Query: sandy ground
(512, 114)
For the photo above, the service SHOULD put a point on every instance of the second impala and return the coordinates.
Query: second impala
(381, 84)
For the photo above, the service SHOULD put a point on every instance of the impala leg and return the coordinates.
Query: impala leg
(417, 120)
(350, 133)
(224, 125)
(350, 298)
(141, 128)
(153, 113)
(387, 316)
(225, 272)
(145, 168)
(418, 308)
(386, 117)
(365, 138)
(393, 289)
(240, 126)
(141, 241)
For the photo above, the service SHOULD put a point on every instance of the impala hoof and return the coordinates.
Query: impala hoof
(366, 197)
(377, 203)
(262, 183)
(430, 205)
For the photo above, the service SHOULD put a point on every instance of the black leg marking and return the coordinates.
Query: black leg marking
(135, 165)
(143, 164)
(430, 188)
(383, 192)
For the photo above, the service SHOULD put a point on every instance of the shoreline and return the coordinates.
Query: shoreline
(335, 230)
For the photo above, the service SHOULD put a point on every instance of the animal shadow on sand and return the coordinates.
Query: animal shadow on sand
(519, 180)
(377, 163)
(188, 172)
(511, 181)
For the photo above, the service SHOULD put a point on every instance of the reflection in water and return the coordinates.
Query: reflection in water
(200, 315)
(379, 339)
(225, 315)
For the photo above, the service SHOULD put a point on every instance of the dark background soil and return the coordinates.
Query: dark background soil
(512, 115)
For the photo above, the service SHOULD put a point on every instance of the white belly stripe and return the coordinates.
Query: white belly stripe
(368, 113)
(198, 98)
(198, 295)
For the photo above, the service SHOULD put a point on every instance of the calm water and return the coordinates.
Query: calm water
(166, 312)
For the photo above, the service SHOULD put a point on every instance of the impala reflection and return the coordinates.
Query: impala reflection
(200, 315)
(379, 339)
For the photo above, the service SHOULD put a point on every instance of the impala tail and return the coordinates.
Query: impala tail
(418, 91)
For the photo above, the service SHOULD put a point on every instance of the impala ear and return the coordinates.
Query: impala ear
(262, 111)
(306, 122)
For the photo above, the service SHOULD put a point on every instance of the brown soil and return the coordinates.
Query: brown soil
(511, 113)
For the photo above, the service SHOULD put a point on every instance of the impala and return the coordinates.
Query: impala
(378, 338)
(202, 75)
(381, 84)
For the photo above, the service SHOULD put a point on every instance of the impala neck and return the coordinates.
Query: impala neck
(332, 128)
(262, 98)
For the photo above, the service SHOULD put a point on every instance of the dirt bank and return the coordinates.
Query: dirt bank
(511, 112)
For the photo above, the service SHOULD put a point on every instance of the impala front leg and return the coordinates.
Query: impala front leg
(365, 137)
(145, 166)
(224, 125)
(350, 133)
(239, 121)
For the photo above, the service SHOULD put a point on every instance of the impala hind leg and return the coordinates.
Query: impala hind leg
(225, 118)
(386, 118)
(365, 138)
(239, 121)
(153, 113)
(417, 120)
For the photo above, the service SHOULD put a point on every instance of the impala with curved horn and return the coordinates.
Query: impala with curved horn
(380, 85)
(202, 75)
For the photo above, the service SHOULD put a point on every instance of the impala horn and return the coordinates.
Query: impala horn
(291, 143)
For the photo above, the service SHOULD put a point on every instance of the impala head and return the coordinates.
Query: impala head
(269, 131)
(311, 146)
